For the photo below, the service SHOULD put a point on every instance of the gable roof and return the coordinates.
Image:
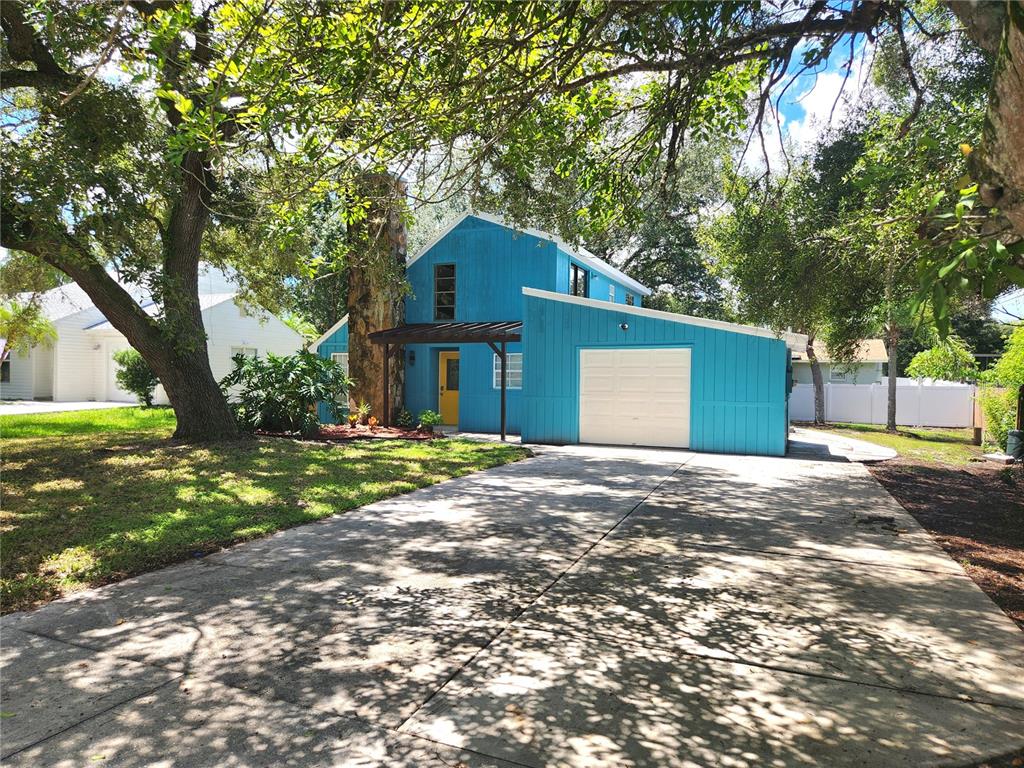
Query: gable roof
(580, 254)
(206, 301)
(327, 334)
(793, 340)
(868, 351)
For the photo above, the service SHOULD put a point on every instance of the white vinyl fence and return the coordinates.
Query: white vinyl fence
(918, 404)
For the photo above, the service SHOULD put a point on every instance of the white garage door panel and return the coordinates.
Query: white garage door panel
(635, 397)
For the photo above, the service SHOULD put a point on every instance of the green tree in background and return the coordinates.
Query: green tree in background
(949, 359)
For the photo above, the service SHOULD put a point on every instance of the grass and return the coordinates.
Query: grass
(91, 497)
(942, 446)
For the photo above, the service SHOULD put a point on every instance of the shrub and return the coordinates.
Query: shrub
(429, 420)
(135, 375)
(404, 419)
(1000, 409)
(280, 393)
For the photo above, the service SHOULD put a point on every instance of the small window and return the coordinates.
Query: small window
(630, 299)
(243, 311)
(244, 351)
(837, 375)
(444, 291)
(611, 293)
(577, 280)
(5, 371)
(513, 371)
(341, 358)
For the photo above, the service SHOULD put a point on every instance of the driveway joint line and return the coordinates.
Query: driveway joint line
(519, 613)
(676, 652)
(94, 715)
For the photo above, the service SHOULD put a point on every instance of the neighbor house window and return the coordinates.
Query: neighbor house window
(341, 358)
(444, 291)
(5, 371)
(611, 293)
(837, 375)
(577, 280)
(243, 351)
(630, 299)
(513, 371)
(243, 311)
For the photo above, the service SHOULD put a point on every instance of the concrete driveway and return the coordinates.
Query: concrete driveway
(588, 607)
(25, 407)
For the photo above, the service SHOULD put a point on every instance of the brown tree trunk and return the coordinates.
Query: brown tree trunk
(892, 337)
(376, 283)
(819, 384)
(998, 28)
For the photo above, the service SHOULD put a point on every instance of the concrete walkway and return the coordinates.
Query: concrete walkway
(588, 607)
(22, 407)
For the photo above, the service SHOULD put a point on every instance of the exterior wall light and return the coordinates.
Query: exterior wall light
(624, 326)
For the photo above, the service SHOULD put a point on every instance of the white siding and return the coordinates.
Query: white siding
(43, 386)
(22, 377)
(227, 328)
(861, 373)
(76, 376)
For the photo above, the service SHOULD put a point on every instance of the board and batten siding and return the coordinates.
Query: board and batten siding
(335, 342)
(738, 392)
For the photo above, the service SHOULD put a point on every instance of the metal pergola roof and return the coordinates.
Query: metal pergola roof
(426, 333)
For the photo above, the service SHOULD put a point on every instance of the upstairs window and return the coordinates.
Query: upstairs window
(444, 291)
(611, 293)
(630, 299)
(244, 352)
(577, 280)
(341, 358)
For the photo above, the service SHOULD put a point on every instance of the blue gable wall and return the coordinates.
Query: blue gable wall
(336, 342)
(492, 265)
(738, 400)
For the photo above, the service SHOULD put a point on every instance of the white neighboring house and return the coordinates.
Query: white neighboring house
(79, 366)
(867, 369)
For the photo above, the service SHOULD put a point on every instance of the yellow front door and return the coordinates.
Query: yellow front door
(448, 387)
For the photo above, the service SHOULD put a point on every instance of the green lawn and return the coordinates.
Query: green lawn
(94, 496)
(943, 446)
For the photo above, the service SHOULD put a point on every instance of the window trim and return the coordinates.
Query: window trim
(611, 292)
(453, 292)
(578, 274)
(496, 371)
(336, 358)
(838, 378)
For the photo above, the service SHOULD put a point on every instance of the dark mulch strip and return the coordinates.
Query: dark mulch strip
(976, 513)
(339, 433)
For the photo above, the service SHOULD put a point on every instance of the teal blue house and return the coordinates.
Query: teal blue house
(584, 360)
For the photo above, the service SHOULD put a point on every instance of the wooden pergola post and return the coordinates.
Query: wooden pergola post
(387, 384)
(495, 334)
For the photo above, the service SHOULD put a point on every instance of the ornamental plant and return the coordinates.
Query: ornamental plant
(429, 419)
(135, 375)
(280, 393)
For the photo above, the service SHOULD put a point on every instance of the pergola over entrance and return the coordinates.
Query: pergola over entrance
(495, 334)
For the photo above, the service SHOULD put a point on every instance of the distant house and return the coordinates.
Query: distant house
(866, 368)
(585, 362)
(79, 366)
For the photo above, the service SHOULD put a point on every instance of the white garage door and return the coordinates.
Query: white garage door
(635, 397)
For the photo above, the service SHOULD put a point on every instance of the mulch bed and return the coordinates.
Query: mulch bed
(976, 513)
(342, 433)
